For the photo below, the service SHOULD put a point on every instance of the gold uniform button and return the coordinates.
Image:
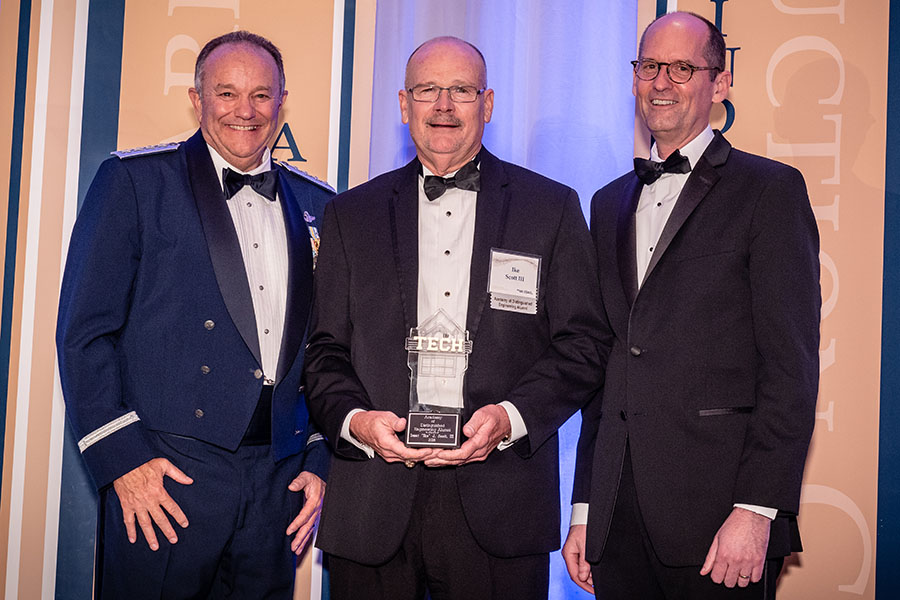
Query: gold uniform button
(258, 373)
(204, 369)
(198, 413)
(209, 324)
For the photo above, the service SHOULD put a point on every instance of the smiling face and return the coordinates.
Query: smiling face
(675, 113)
(238, 102)
(446, 134)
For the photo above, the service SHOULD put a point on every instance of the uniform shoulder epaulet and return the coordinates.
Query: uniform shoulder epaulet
(304, 175)
(144, 150)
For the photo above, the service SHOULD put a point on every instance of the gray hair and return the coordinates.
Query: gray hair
(236, 37)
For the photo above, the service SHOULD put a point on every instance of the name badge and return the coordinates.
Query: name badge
(513, 281)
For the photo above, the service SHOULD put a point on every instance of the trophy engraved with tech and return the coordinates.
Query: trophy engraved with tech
(438, 356)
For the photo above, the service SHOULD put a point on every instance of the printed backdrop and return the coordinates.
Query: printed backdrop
(82, 78)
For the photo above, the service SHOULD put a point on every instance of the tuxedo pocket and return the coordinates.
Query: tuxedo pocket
(695, 252)
(727, 410)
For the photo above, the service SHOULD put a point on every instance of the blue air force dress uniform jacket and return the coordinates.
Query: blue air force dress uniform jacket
(156, 328)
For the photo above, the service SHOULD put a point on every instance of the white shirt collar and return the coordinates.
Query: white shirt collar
(220, 163)
(693, 150)
(426, 171)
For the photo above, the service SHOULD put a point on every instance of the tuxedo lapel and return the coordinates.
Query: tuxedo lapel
(222, 241)
(299, 289)
(701, 180)
(626, 246)
(490, 223)
(404, 215)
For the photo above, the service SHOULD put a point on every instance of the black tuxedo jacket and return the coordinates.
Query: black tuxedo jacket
(156, 327)
(713, 372)
(548, 365)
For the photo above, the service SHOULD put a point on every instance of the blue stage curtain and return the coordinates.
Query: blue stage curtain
(563, 107)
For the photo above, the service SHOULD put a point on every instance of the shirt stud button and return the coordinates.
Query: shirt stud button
(209, 324)
(198, 413)
(204, 369)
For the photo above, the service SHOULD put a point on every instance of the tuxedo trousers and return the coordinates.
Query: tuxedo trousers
(629, 567)
(439, 556)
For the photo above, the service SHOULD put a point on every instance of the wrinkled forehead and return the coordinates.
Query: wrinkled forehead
(242, 56)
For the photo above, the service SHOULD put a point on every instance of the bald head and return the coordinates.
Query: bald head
(445, 44)
(688, 24)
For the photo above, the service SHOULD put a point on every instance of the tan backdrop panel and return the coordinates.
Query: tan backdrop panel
(163, 37)
(810, 90)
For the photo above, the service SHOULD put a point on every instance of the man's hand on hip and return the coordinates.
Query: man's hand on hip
(304, 524)
(144, 497)
(485, 430)
(378, 429)
(738, 552)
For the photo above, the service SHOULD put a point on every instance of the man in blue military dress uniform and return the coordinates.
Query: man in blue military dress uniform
(181, 331)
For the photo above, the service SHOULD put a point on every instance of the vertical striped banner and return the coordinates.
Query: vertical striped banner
(102, 66)
(49, 151)
(888, 538)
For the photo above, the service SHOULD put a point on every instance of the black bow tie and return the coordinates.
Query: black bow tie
(649, 171)
(264, 184)
(467, 178)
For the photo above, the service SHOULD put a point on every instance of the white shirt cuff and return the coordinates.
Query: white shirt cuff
(516, 425)
(765, 511)
(579, 514)
(346, 435)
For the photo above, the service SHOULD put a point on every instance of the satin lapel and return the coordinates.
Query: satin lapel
(701, 180)
(224, 248)
(490, 223)
(300, 274)
(404, 215)
(626, 248)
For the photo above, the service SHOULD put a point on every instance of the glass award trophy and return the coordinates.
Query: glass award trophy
(438, 357)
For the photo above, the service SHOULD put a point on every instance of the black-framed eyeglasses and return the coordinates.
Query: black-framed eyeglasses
(678, 71)
(458, 93)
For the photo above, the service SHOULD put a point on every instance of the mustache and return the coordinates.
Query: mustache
(444, 121)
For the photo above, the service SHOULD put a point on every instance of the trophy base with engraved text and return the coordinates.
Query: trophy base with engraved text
(432, 430)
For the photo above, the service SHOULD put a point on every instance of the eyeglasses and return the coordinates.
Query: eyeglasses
(678, 71)
(458, 93)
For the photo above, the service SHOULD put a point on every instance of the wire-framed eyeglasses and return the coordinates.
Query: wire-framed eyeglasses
(427, 92)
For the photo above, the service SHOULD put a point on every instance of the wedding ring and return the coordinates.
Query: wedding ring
(744, 576)
(409, 463)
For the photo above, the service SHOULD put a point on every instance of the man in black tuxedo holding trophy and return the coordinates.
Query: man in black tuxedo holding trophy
(479, 278)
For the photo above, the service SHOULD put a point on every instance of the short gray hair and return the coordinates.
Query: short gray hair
(236, 37)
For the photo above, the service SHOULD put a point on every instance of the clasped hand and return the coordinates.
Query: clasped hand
(378, 430)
